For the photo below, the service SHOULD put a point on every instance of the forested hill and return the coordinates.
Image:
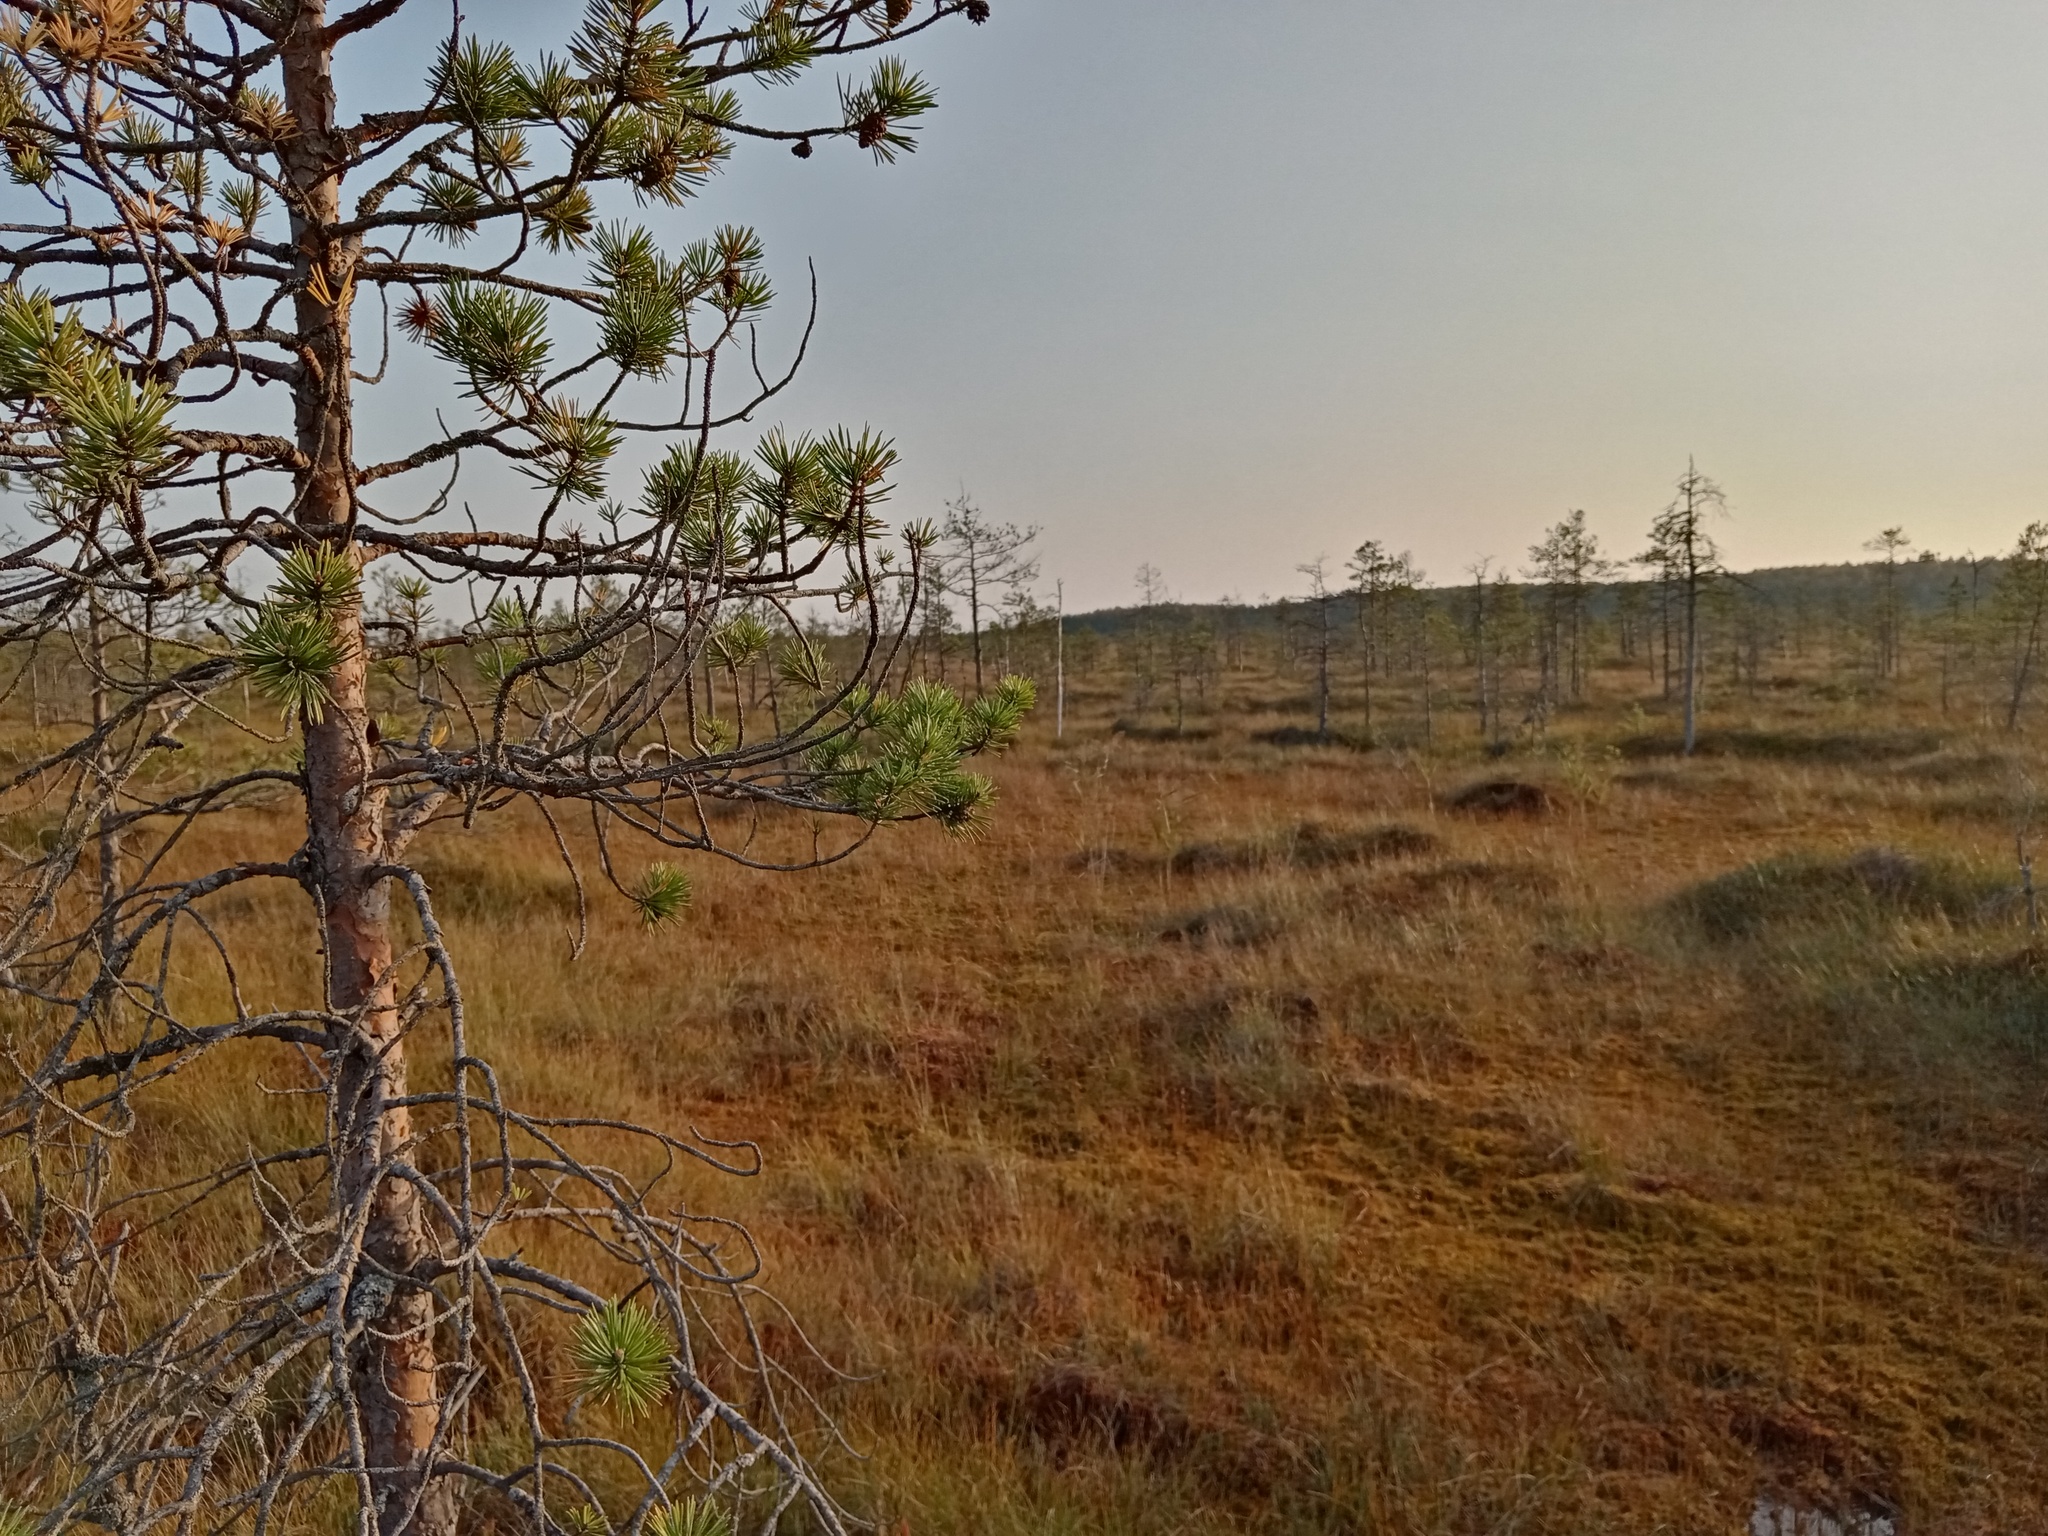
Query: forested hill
(1922, 586)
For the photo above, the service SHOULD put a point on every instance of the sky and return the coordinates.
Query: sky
(1221, 287)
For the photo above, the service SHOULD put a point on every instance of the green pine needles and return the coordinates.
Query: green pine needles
(571, 449)
(802, 661)
(622, 1358)
(900, 758)
(291, 648)
(741, 639)
(684, 1517)
(690, 1517)
(114, 431)
(498, 338)
(321, 581)
(289, 657)
(875, 112)
(662, 894)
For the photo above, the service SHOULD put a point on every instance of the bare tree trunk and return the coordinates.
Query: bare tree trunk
(1692, 660)
(974, 620)
(1664, 626)
(2023, 671)
(397, 1386)
(1479, 645)
(1365, 639)
(1323, 669)
(1428, 679)
(1059, 663)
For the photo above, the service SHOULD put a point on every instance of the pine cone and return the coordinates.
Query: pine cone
(658, 167)
(977, 11)
(869, 130)
(801, 149)
(898, 12)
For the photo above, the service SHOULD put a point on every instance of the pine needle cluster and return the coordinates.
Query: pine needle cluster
(292, 646)
(621, 1355)
(901, 758)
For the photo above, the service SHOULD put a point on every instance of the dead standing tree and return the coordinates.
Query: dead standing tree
(204, 214)
(1318, 632)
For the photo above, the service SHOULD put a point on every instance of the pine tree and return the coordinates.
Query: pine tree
(1683, 553)
(1631, 622)
(2019, 606)
(1378, 580)
(1888, 613)
(1317, 634)
(1567, 565)
(1956, 620)
(1496, 633)
(1147, 634)
(198, 210)
(991, 563)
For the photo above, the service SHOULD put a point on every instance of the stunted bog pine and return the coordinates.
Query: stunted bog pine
(198, 210)
(1686, 559)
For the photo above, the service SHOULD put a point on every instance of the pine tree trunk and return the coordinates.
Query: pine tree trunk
(1692, 660)
(1059, 667)
(393, 1364)
(1428, 702)
(1664, 620)
(1479, 648)
(2023, 669)
(1323, 695)
(974, 621)
(1367, 691)
(1323, 671)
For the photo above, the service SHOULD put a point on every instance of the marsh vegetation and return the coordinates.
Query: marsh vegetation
(1247, 1136)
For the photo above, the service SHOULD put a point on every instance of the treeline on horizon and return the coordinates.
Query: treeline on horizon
(1925, 580)
(1388, 654)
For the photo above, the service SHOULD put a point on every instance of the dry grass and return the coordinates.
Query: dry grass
(1233, 1141)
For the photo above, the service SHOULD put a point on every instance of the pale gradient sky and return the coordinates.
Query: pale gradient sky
(1223, 286)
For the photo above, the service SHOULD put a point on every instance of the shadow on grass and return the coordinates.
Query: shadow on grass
(1969, 1005)
(1136, 732)
(1308, 736)
(1306, 845)
(1845, 747)
(1807, 892)
(1502, 797)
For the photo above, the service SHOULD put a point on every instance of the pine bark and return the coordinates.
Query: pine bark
(397, 1385)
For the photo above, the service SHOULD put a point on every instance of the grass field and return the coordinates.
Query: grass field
(1242, 1137)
